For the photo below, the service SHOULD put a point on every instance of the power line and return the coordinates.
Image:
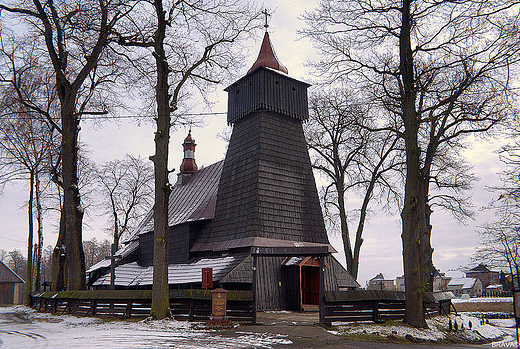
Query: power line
(92, 117)
(1, 237)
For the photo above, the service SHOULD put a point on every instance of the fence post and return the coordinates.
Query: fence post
(375, 312)
(191, 305)
(128, 312)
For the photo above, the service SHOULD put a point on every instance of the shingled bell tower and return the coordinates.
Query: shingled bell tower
(267, 193)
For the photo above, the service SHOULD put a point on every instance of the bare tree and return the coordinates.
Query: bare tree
(501, 238)
(17, 262)
(96, 251)
(193, 47)
(127, 189)
(354, 160)
(74, 36)
(439, 70)
(47, 263)
(3, 255)
(24, 148)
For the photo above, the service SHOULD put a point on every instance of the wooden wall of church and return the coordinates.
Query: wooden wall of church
(269, 90)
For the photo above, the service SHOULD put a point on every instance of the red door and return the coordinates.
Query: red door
(310, 285)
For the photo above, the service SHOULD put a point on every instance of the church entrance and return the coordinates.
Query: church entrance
(310, 286)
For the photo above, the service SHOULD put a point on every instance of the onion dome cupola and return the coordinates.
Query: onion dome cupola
(267, 86)
(188, 163)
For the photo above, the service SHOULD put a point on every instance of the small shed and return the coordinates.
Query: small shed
(11, 286)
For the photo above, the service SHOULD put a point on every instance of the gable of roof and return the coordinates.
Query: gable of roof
(481, 268)
(192, 200)
(8, 275)
(378, 277)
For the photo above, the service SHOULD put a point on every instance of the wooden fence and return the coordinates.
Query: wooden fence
(190, 305)
(378, 306)
(494, 294)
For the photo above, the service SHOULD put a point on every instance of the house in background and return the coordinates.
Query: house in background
(253, 218)
(469, 286)
(485, 275)
(440, 282)
(379, 282)
(12, 290)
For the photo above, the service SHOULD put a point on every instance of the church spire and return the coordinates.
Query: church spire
(267, 58)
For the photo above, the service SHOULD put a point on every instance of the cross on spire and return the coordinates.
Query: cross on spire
(266, 14)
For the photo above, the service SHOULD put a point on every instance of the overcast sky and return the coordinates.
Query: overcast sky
(453, 242)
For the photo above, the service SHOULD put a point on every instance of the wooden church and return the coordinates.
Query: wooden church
(253, 218)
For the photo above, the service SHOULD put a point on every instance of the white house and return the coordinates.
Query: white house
(470, 286)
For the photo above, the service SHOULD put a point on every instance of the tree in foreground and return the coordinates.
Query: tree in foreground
(435, 71)
(192, 46)
(74, 36)
(354, 160)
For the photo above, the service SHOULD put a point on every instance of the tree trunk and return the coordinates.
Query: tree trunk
(39, 218)
(160, 290)
(74, 255)
(58, 257)
(116, 225)
(344, 226)
(28, 280)
(426, 250)
(414, 203)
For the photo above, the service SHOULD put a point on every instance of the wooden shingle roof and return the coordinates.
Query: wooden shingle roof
(192, 200)
(132, 274)
(8, 275)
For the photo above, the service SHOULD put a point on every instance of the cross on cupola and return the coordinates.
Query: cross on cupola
(266, 14)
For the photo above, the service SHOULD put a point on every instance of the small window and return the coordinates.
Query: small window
(294, 89)
(238, 91)
(276, 82)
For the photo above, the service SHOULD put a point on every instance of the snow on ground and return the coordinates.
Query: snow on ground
(483, 300)
(22, 327)
(469, 328)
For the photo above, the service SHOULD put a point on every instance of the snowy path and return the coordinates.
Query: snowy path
(21, 327)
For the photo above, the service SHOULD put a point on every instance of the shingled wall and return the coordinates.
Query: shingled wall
(267, 187)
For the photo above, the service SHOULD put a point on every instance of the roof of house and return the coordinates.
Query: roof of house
(192, 200)
(8, 275)
(132, 274)
(378, 277)
(481, 268)
(466, 283)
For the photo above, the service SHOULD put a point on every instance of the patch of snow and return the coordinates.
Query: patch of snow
(22, 327)
(507, 323)
(469, 328)
(484, 300)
